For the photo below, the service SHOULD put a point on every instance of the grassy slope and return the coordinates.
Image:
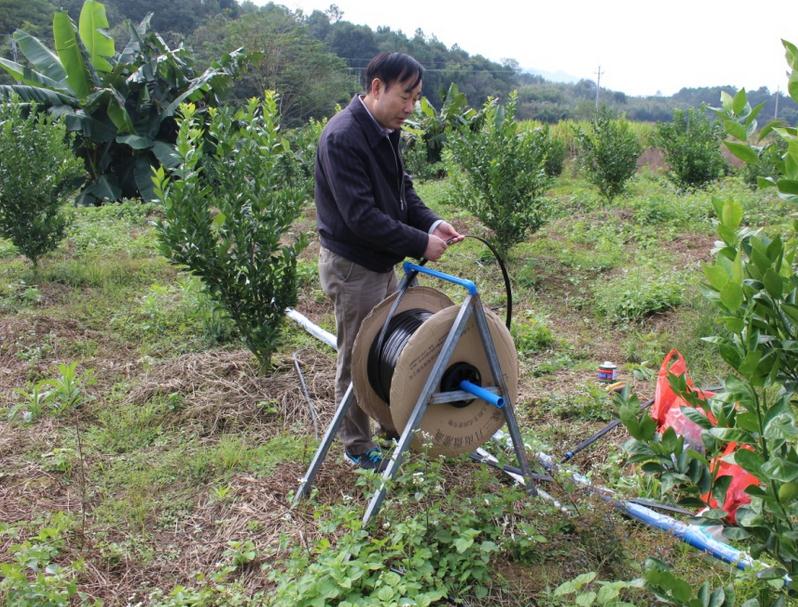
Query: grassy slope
(187, 447)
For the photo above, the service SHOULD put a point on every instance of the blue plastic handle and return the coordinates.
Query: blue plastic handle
(480, 392)
(467, 284)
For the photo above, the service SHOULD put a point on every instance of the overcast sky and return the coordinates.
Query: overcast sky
(643, 47)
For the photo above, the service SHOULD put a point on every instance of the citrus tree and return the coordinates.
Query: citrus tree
(229, 202)
(754, 286)
(38, 171)
(498, 173)
(608, 152)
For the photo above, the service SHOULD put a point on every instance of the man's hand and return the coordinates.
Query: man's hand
(435, 247)
(447, 233)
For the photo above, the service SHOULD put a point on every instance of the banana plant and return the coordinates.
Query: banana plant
(121, 105)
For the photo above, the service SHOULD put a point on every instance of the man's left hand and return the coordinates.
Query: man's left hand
(447, 233)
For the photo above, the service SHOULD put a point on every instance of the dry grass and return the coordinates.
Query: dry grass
(226, 390)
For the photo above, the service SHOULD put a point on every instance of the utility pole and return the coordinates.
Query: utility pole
(598, 85)
(14, 50)
(778, 94)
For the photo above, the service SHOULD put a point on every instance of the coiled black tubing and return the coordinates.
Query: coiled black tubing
(397, 330)
(384, 354)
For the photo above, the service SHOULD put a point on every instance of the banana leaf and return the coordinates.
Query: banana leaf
(35, 94)
(42, 58)
(103, 188)
(143, 176)
(66, 45)
(78, 121)
(166, 154)
(99, 45)
(213, 78)
(25, 75)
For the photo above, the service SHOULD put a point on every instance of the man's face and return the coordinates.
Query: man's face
(394, 103)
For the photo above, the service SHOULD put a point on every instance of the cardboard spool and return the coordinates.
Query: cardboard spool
(445, 429)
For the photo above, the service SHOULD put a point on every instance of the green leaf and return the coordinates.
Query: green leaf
(729, 235)
(27, 76)
(137, 142)
(787, 186)
(727, 101)
(780, 469)
(743, 151)
(42, 58)
(750, 461)
(143, 176)
(118, 113)
(735, 129)
(791, 310)
(732, 214)
(716, 275)
(34, 94)
(773, 284)
(576, 584)
(697, 417)
(104, 188)
(739, 102)
(731, 296)
(462, 544)
(166, 154)
(791, 54)
(100, 46)
(792, 85)
(66, 45)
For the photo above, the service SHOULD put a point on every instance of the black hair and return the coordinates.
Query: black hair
(393, 67)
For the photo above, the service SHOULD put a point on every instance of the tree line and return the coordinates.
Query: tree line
(316, 60)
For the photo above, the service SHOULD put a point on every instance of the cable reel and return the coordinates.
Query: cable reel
(388, 377)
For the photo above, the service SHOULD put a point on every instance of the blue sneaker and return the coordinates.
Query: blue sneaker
(370, 460)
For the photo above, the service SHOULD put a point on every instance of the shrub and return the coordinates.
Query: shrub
(768, 163)
(555, 158)
(608, 152)
(227, 209)
(691, 144)
(37, 172)
(498, 173)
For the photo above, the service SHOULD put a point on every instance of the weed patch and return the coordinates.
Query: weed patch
(638, 293)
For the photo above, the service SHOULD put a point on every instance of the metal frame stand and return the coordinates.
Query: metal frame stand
(470, 306)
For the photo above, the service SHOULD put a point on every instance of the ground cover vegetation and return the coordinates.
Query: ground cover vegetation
(177, 490)
(151, 438)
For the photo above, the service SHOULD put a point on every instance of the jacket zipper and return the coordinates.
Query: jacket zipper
(401, 182)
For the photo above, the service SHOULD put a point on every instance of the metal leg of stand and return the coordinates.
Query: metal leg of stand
(420, 408)
(509, 412)
(307, 481)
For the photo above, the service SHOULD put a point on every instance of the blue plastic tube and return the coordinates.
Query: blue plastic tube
(480, 392)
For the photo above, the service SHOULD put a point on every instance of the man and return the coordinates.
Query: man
(369, 218)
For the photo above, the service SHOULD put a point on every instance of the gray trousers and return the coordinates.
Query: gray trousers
(354, 290)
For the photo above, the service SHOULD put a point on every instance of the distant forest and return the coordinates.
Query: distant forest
(315, 61)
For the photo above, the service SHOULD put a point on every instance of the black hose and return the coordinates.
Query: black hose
(507, 287)
(384, 354)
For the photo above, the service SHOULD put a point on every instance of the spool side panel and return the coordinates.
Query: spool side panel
(446, 429)
(375, 407)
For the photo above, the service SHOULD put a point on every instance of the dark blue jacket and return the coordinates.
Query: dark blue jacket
(366, 208)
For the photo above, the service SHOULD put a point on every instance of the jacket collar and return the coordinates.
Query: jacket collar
(374, 132)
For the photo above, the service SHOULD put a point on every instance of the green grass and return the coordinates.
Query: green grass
(596, 278)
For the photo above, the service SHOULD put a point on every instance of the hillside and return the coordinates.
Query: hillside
(291, 42)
